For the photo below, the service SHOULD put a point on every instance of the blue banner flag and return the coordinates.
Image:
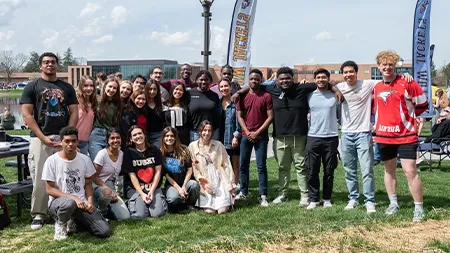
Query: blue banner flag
(421, 59)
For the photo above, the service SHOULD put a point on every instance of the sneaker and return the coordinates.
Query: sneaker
(327, 204)
(370, 207)
(280, 199)
(71, 226)
(242, 196)
(37, 224)
(351, 204)
(60, 231)
(303, 202)
(392, 208)
(312, 205)
(418, 215)
(263, 201)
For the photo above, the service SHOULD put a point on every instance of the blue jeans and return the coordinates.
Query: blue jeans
(194, 135)
(376, 152)
(154, 138)
(119, 208)
(97, 141)
(354, 147)
(261, 158)
(84, 147)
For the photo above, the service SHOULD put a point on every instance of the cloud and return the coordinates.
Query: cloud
(7, 10)
(119, 15)
(8, 47)
(89, 9)
(50, 38)
(219, 41)
(6, 35)
(170, 39)
(103, 39)
(349, 36)
(323, 36)
(94, 27)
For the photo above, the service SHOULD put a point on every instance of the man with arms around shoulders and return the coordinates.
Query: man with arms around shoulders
(226, 72)
(255, 113)
(67, 175)
(322, 141)
(397, 105)
(48, 104)
(185, 73)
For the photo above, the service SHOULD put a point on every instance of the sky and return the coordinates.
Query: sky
(285, 32)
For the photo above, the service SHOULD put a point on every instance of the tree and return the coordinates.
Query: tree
(433, 70)
(33, 63)
(446, 71)
(10, 64)
(60, 64)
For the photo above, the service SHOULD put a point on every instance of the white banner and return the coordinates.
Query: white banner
(239, 51)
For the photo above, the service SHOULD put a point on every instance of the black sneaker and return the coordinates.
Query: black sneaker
(2, 179)
(37, 224)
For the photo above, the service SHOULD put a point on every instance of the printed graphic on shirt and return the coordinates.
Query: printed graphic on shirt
(53, 98)
(384, 95)
(72, 180)
(146, 176)
(173, 165)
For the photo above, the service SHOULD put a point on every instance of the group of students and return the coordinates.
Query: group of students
(200, 138)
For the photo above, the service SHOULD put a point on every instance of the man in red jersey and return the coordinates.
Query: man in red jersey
(397, 103)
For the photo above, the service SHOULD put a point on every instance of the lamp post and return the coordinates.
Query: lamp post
(400, 65)
(207, 16)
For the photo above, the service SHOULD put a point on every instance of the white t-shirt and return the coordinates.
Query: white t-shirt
(69, 176)
(110, 169)
(356, 109)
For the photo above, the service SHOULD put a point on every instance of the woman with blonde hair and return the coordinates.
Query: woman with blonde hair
(212, 169)
(87, 106)
(126, 89)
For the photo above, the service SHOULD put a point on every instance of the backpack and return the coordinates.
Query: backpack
(5, 219)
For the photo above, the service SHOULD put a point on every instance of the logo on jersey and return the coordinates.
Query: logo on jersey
(384, 95)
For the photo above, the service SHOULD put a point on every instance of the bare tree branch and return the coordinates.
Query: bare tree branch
(10, 64)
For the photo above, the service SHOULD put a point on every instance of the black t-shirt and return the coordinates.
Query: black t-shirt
(142, 164)
(51, 102)
(175, 168)
(155, 121)
(204, 106)
(290, 109)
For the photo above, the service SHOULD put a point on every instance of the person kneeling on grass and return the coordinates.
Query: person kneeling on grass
(108, 163)
(67, 175)
(142, 162)
(213, 170)
(181, 189)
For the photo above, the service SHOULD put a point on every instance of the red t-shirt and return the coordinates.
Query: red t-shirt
(254, 107)
(142, 122)
(396, 106)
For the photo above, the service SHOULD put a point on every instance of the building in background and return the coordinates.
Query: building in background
(76, 72)
(131, 68)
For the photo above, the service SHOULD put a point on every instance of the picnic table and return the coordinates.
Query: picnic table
(18, 150)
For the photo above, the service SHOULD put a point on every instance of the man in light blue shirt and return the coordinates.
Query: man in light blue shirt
(322, 141)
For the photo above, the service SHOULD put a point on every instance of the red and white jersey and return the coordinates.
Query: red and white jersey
(396, 106)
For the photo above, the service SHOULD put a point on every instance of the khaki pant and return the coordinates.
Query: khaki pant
(38, 154)
(290, 150)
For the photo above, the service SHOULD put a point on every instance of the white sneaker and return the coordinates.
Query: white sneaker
(351, 204)
(60, 231)
(303, 202)
(71, 226)
(312, 205)
(327, 204)
(263, 201)
(280, 199)
(370, 207)
(242, 196)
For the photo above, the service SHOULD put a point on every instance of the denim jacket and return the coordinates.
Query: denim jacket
(231, 125)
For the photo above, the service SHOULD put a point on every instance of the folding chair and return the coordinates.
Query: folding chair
(438, 146)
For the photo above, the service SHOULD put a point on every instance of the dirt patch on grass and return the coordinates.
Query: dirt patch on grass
(406, 237)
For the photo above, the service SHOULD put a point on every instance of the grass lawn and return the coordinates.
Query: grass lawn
(280, 228)
(11, 93)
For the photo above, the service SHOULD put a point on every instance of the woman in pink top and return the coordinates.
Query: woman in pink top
(87, 104)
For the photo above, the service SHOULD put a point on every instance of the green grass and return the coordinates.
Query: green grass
(18, 132)
(11, 93)
(248, 227)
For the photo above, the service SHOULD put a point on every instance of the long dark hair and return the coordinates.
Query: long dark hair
(130, 142)
(157, 98)
(116, 101)
(180, 151)
(111, 131)
(184, 100)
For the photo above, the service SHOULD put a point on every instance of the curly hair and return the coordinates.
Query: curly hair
(387, 56)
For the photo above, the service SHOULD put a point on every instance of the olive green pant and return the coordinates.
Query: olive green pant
(290, 150)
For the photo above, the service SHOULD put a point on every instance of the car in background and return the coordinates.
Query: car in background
(22, 85)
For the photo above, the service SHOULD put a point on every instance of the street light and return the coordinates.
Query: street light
(207, 16)
(400, 65)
